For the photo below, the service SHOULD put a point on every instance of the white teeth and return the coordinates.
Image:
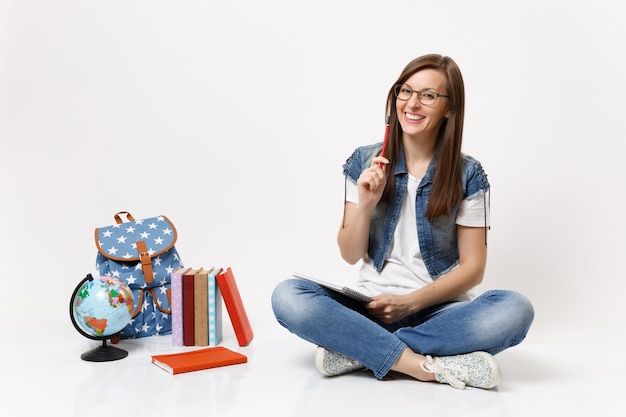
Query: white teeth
(413, 116)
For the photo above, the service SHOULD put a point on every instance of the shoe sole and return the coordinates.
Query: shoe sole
(319, 361)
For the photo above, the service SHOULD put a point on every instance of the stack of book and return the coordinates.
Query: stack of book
(197, 296)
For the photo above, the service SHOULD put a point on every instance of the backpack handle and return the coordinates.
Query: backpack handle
(118, 217)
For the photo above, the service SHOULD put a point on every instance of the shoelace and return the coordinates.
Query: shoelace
(450, 374)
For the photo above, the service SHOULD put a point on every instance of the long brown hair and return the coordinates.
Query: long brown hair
(446, 189)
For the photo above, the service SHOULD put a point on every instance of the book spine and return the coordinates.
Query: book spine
(177, 308)
(215, 311)
(188, 310)
(201, 315)
(234, 306)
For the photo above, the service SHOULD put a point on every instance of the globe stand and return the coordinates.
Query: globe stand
(104, 353)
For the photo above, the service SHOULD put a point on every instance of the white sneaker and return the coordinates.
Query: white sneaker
(331, 363)
(476, 369)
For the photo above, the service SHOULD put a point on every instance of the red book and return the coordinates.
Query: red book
(196, 360)
(234, 306)
(188, 307)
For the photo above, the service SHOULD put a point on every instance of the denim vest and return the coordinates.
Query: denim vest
(437, 238)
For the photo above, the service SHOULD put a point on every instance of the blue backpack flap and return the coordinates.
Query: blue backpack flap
(142, 254)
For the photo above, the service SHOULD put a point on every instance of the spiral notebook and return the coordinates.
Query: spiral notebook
(339, 288)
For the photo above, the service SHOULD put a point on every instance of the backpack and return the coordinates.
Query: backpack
(142, 254)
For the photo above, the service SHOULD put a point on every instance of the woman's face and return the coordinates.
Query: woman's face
(417, 119)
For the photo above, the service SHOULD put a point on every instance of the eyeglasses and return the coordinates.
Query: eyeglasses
(426, 97)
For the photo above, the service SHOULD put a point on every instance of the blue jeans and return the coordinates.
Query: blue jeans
(491, 322)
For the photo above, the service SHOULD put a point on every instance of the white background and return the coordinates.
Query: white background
(233, 118)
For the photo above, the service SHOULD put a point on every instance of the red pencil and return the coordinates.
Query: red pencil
(382, 153)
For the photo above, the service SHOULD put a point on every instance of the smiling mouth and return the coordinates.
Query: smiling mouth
(414, 117)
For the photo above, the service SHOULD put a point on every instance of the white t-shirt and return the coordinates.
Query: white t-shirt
(405, 271)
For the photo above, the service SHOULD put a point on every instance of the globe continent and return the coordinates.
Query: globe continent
(103, 306)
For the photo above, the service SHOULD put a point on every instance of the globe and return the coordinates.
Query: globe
(99, 309)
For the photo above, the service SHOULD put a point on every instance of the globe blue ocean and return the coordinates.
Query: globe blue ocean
(103, 306)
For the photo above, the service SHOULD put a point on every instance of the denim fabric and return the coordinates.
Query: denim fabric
(491, 322)
(437, 238)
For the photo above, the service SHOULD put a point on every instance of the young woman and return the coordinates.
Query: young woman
(417, 218)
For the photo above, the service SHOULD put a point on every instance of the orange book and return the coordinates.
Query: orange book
(197, 360)
(234, 306)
